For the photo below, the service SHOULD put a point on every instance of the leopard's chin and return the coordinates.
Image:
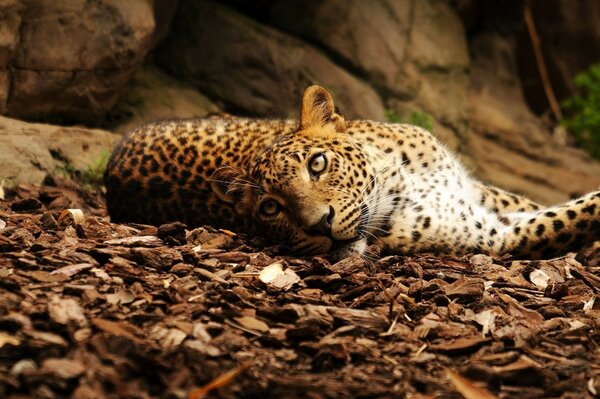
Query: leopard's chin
(346, 248)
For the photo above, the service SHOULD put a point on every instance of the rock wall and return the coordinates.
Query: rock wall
(69, 60)
(255, 69)
(414, 53)
(465, 63)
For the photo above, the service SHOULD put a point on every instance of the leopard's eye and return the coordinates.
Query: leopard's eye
(317, 164)
(270, 207)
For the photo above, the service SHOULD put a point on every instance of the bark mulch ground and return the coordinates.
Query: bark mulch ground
(90, 309)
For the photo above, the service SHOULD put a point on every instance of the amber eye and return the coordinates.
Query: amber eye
(317, 164)
(270, 207)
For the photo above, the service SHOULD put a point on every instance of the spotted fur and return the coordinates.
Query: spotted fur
(330, 185)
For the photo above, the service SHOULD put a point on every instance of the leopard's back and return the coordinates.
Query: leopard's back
(160, 172)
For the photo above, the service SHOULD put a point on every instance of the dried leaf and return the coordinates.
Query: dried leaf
(219, 382)
(274, 276)
(2, 224)
(467, 388)
(271, 272)
(2, 193)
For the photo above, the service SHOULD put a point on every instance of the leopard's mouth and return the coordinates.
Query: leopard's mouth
(336, 245)
(341, 249)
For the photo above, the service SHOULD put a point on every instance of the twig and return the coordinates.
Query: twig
(379, 353)
(541, 65)
(219, 382)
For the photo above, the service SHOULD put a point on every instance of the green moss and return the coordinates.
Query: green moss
(92, 176)
(583, 111)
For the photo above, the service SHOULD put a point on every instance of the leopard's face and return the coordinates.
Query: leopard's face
(311, 191)
(308, 189)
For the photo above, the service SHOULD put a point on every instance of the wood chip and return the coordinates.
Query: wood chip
(136, 241)
(467, 388)
(151, 317)
(66, 311)
(69, 217)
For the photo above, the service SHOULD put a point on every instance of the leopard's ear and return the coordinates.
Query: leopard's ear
(233, 186)
(318, 110)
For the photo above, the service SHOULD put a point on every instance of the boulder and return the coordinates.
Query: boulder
(153, 95)
(510, 145)
(414, 52)
(10, 21)
(32, 150)
(255, 69)
(69, 60)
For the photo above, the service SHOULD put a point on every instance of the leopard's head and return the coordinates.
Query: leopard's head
(308, 189)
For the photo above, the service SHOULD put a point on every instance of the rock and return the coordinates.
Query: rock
(10, 21)
(373, 36)
(67, 68)
(509, 144)
(414, 52)
(253, 68)
(32, 150)
(153, 95)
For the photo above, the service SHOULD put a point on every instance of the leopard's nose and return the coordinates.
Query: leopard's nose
(323, 226)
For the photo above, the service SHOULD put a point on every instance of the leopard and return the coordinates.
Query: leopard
(326, 185)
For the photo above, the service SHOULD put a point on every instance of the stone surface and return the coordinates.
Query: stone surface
(373, 37)
(71, 59)
(255, 69)
(153, 95)
(32, 150)
(414, 52)
(10, 21)
(509, 144)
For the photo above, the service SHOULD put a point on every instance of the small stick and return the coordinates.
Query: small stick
(539, 58)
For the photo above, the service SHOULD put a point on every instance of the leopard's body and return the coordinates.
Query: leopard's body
(330, 185)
